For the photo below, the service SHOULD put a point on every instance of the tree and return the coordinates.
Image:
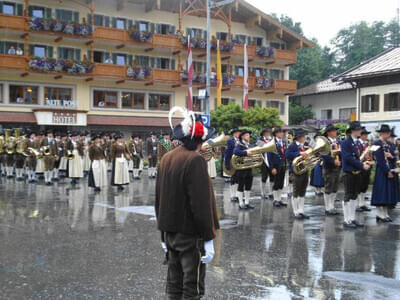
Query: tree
(258, 117)
(226, 117)
(298, 114)
(289, 23)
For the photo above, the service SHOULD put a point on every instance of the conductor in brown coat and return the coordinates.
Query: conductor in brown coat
(186, 211)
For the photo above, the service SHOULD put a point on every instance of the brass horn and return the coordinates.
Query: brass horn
(208, 147)
(70, 155)
(302, 165)
(255, 158)
(10, 141)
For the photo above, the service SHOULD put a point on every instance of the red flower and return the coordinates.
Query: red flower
(199, 130)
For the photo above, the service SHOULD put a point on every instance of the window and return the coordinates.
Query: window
(370, 103)
(66, 53)
(39, 51)
(345, 113)
(258, 41)
(254, 102)
(279, 105)
(222, 36)
(55, 96)
(392, 102)
(198, 67)
(9, 8)
(277, 74)
(1, 93)
(98, 56)
(159, 102)
(132, 100)
(224, 69)
(143, 26)
(98, 20)
(226, 101)
(66, 15)
(239, 70)
(120, 59)
(165, 63)
(198, 104)
(105, 99)
(121, 23)
(195, 33)
(258, 72)
(277, 45)
(242, 39)
(21, 94)
(165, 29)
(38, 12)
(142, 60)
(326, 114)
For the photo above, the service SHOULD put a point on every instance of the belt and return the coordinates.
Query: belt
(355, 172)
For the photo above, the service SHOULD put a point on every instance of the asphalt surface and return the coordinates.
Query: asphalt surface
(63, 243)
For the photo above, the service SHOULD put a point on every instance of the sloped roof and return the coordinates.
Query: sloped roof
(325, 86)
(386, 63)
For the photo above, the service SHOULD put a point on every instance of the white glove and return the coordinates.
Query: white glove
(209, 248)
(164, 246)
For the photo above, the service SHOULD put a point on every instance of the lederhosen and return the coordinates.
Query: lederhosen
(352, 179)
(331, 172)
(19, 158)
(31, 159)
(365, 174)
(49, 160)
(244, 177)
(61, 153)
(139, 155)
(152, 152)
(300, 181)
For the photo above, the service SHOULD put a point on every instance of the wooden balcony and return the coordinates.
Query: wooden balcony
(112, 35)
(13, 62)
(284, 57)
(285, 86)
(172, 42)
(166, 76)
(109, 71)
(14, 23)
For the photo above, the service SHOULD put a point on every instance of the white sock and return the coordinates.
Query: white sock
(246, 197)
(55, 174)
(332, 201)
(301, 205)
(327, 198)
(267, 188)
(240, 196)
(50, 175)
(262, 188)
(345, 211)
(385, 212)
(233, 190)
(295, 206)
(379, 212)
(271, 185)
(276, 195)
(353, 209)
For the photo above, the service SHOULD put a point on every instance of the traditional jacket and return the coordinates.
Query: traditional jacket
(117, 150)
(277, 160)
(292, 152)
(351, 151)
(231, 144)
(151, 147)
(51, 144)
(240, 149)
(329, 160)
(185, 200)
(96, 152)
(79, 147)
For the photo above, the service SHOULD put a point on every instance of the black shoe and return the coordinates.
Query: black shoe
(234, 199)
(349, 225)
(358, 224)
(298, 217)
(383, 220)
(304, 216)
(271, 197)
(56, 179)
(120, 188)
(10, 176)
(74, 182)
(365, 208)
(359, 209)
(276, 203)
(249, 206)
(333, 212)
(282, 203)
(244, 207)
(389, 219)
(97, 189)
(328, 213)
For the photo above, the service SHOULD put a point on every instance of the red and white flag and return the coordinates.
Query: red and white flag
(245, 80)
(190, 76)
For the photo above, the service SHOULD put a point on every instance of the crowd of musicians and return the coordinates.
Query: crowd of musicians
(287, 159)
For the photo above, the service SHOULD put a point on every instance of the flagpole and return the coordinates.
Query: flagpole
(208, 64)
(245, 80)
(190, 76)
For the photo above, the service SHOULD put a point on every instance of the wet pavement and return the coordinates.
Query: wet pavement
(62, 243)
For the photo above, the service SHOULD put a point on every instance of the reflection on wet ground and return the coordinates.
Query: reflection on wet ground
(61, 243)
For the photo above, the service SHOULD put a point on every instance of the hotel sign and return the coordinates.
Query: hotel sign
(61, 117)
(64, 118)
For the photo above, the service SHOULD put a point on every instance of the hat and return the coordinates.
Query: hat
(384, 128)
(392, 134)
(244, 131)
(330, 127)
(96, 136)
(266, 129)
(74, 133)
(234, 130)
(355, 125)
(365, 131)
(166, 133)
(134, 135)
(276, 130)
(63, 134)
(153, 133)
(191, 126)
(299, 133)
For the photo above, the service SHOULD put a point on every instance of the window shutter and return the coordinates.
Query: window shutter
(387, 102)
(20, 9)
(158, 63)
(58, 14)
(30, 11)
(137, 25)
(89, 55)
(259, 103)
(78, 54)
(158, 28)
(106, 21)
(59, 52)
(152, 27)
(31, 49)
(152, 63)
(114, 58)
(282, 108)
(47, 13)
(172, 30)
(129, 60)
(172, 64)
(218, 35)
(50, 51)
(205, 34)
(114, 22)
(89, 19)
(248, 40)
(76, 16)
(188, 32)
(1, 6)
(106, 55)
(2, 45)
(130, 24)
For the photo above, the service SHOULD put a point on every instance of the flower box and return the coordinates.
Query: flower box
(265, 51)
(44, 64)
(141, 36)
(139, 73)
(71, 28)
(265, 83)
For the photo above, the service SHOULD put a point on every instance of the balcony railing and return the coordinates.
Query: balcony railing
(10, 22)
(13, 62)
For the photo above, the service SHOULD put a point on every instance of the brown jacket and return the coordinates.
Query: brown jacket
(117, 150)
(185, 200)
(151, 147)
(96, 153)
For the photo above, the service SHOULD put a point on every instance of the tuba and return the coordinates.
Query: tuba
(22, 143)
(10, 141)
(70, 155)
(209, 146)
(255, 159)
(302, 165)
(34, 152)
(2, 142)
(45, 150)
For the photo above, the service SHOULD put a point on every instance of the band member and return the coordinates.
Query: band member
(365, 174)
(75, 165)
(34, 144)
(300, 181)
(98, 167)
(62, 152)
(265, 171)
(137, 156)
(85, 140)
(10, 151)
(332, 168)
(186, 212)
(386, 191)
(19, 158)
(277, 165)
(120, 157)
(231, 144)
(244, 177)
(3, 154)
(152, 145)
(352, 167)
(49, 151)
(164, 146)
(40, 159)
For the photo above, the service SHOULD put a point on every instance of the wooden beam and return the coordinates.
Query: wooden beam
(237, 5)
(120, 46)
(24, 74)
(89, 79)
(269, 92)
(289, 94)
(158, 4)
(176, 85)
(149, 5)
(148, 49)
(58, 39)
(120, 81)
(176, 52)
(226, 89)
(225, 57)
(201, 55)
(274, 33)
(149, 83)
(270, 62)
(24, 35)
(252, 21)
(89, 42)
(58, 77)
(121, 4)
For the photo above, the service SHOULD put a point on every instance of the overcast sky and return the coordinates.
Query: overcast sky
(322, 19)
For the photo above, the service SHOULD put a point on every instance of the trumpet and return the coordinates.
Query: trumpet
(208, 147)
(254, 158)
(45, 150)
(302, 165)
(70, 155)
